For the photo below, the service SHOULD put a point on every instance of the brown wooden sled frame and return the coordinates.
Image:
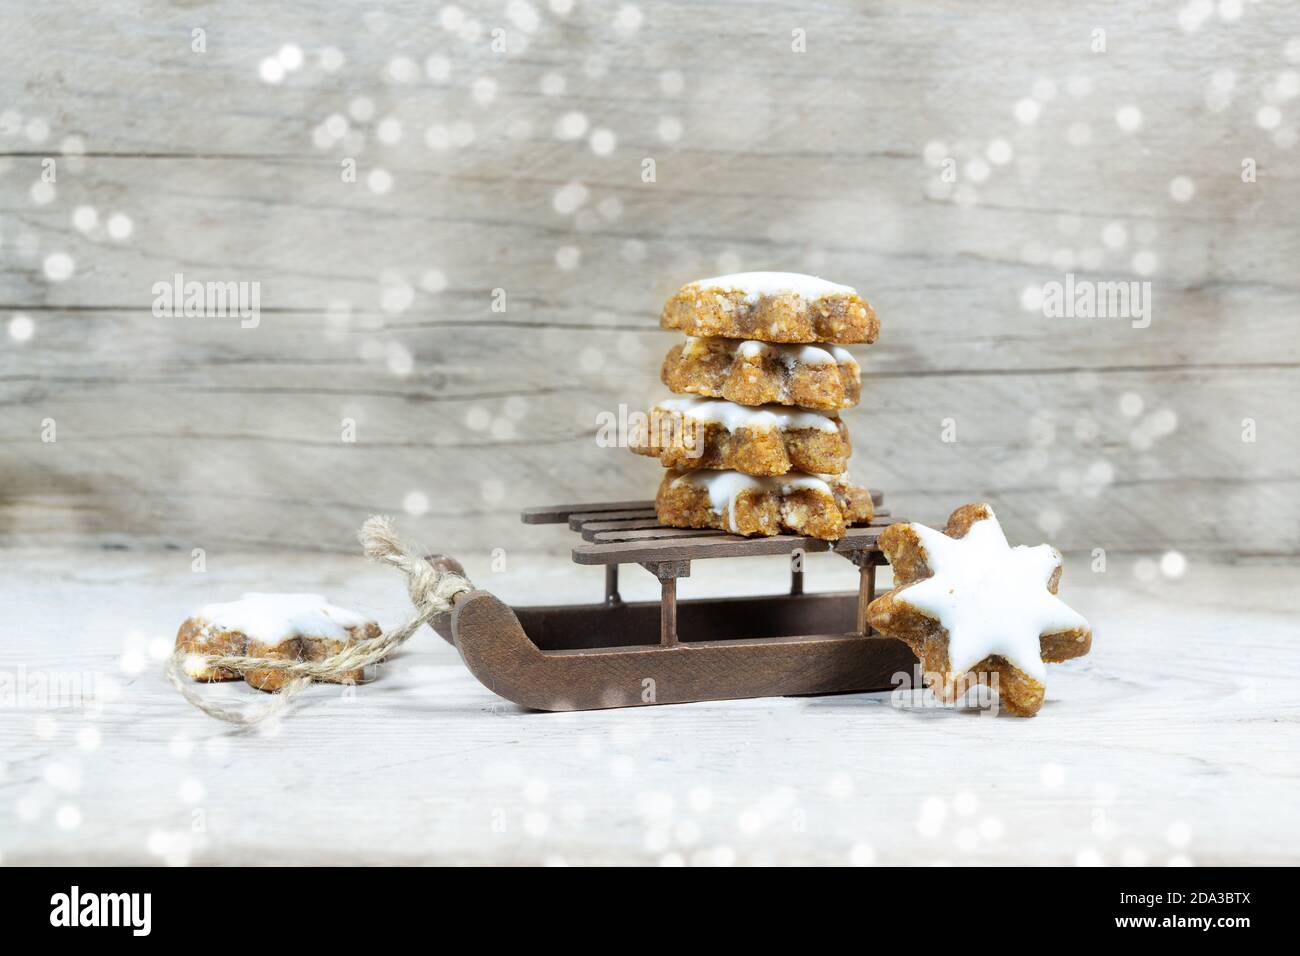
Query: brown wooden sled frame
(620, 654)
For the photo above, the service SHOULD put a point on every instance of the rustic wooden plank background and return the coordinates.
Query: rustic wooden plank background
(196, 433)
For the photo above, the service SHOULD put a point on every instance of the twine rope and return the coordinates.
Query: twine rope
(432, 588)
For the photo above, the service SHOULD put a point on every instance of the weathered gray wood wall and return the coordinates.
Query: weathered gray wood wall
(198, 433)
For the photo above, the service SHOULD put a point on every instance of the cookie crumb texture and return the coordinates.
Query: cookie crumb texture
(297, 627)
(691, 433)
(750, 372)
(772, 307)
(817, 506)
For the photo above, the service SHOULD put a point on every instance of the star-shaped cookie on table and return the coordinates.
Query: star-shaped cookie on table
(298, 627)
(970, 606)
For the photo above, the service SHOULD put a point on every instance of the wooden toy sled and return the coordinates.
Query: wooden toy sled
(618, 654)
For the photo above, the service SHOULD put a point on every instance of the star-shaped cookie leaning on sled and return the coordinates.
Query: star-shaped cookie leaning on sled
(970, 606)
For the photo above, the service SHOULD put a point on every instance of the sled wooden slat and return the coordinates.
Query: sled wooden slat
(580, 520)
(719, 546)
(649, 527)
(591, 529)
(558, 514)
(657, 532)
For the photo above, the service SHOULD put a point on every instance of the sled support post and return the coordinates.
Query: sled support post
(668, 572)
(866, 565)
(611, 585)
(866, 594)
(668, 613)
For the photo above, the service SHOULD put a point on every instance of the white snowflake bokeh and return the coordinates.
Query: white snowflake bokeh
(390, 179)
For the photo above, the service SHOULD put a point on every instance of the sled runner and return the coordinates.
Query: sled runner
(620, 654)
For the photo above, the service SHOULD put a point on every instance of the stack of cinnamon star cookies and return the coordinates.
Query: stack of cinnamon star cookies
(755, 445)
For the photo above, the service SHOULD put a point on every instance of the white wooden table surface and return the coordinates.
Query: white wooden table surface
(1175, 741)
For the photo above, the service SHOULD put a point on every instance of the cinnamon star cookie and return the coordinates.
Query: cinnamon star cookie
(820, 506)
(690, 433)
(772, 307)
(824, 377)
(970, 606)
(299, 627)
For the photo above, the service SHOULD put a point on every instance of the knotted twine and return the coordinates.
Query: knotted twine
(433, 589)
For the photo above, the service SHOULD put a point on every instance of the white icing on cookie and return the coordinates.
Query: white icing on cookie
(990, 597)
(725, 486)
(272, 618)
(806, 355)
(755, 285)
(732, 416)
(843, 356)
